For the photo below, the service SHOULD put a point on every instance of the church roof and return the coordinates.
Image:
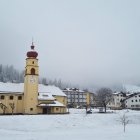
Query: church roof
(45, 96)
(18, 88)
(54, 104)
(11, 87)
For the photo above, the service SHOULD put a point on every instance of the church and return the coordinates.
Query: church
(31, 97)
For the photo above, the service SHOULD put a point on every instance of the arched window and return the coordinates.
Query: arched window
(32, 71)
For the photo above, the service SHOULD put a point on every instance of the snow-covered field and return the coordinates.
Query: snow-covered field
(74, 126)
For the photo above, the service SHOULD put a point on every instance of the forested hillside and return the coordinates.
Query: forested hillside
(10, 74)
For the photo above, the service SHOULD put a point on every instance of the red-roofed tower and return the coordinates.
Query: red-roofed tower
(31, 82)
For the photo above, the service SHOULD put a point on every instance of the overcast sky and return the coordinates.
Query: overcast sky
(85, 42)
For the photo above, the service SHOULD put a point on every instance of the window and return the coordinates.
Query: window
(136, 100)
(19, 97)
(32, 71)
(2, 97)
(57, 109)
(11, 97)
(135, 96)
(132, 100)
(33, 62)
(31, 109)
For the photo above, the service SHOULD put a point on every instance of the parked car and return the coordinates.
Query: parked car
(89, 111)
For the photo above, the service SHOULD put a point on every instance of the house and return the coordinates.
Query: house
(78, 98)
(31, 97)
(133, 101)
(117, 100)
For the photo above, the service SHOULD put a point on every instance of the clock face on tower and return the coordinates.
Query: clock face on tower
(32, 79)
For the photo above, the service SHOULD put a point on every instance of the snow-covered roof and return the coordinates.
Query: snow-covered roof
(116, 93)
(19, 89)
(55, 103)
(120, 93)
(132, 95)
(73, 89)
(51, 89)
(45, 96)
(11, 87)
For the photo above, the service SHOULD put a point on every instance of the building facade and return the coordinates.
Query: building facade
(133, 101)
(117, 101)
(31, 97)
(78, 98)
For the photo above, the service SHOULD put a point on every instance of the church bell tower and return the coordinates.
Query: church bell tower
(31, 82)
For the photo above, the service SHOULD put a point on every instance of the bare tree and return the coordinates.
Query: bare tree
(12, 105)
(104, 96)
(3, 107)
(124, 120)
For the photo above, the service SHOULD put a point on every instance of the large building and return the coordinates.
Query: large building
(117, 101)
(122, 100)
(31, 97)
(77, 97)
(133, 101)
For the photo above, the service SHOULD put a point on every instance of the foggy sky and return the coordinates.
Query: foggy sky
(85, 42)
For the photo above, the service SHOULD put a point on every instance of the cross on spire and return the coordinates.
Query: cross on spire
(32, 46)
(32, 41)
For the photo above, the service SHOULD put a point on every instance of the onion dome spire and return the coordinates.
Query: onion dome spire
(32, 46)
(32, 53)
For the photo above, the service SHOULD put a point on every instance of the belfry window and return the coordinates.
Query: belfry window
(32, 71)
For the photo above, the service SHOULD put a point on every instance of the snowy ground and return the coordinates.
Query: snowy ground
(73, 126)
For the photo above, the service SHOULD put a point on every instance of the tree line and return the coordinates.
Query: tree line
(10, 74)
(56, 82)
